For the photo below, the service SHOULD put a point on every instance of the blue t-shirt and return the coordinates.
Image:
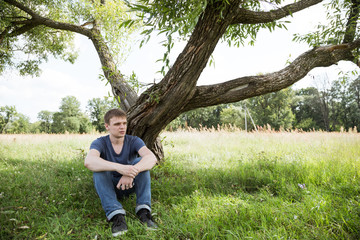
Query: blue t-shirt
(129, 151)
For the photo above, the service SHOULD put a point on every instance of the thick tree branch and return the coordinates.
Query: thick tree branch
(39, 20)
(352, 22)
(28, 25)
(245, 16)
(127, 96)
(246, 87)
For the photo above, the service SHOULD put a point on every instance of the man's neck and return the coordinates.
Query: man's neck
(116, 141)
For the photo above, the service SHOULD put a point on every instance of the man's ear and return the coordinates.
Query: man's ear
(107, 126)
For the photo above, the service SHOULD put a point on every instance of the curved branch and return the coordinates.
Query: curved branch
(120, 88)
(352, 21)
(39, 20)
(246, 16)
(28, 25)
(251, 86)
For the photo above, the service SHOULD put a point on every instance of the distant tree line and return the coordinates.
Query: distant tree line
(328, 109)
(69, 118)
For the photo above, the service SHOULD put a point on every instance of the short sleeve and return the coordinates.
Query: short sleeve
(138, 143)
(98, 144)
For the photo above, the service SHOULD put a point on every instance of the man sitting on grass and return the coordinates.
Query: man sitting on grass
(118, 171)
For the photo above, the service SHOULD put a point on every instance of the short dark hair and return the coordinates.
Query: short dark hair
(116, 112)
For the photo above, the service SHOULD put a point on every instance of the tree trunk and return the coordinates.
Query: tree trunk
(165, 101)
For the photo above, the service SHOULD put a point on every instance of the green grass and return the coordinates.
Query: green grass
(212, 185)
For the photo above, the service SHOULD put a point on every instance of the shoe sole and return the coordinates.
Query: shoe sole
(119, 233)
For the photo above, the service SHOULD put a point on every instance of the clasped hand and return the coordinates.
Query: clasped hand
(125, 182)
(129, 170)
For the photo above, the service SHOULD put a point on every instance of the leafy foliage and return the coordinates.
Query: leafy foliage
(334, 30)
(36, 45)
(46, 118)
(7, 115)
(111, 16)
(70, 118)
(233, 116)
(97, 108)
(273, 108)
(177, 19)
(307, 109)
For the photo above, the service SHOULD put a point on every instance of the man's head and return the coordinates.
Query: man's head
(116, 123)
(113, 113)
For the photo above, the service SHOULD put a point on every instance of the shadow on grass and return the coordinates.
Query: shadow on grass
(247, 197)
(250, 178)
(46, 199)
(56, 199)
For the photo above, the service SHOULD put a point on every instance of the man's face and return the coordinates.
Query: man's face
(117, 127)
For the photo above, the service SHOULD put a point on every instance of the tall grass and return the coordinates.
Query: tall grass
(212, 185)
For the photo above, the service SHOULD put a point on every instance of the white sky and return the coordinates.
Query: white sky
(60, 79)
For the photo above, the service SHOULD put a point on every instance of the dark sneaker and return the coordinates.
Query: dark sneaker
(145, 217)
(119, 225)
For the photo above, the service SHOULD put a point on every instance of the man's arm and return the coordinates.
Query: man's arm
(147, 162)
(148, 159)
(95, 163)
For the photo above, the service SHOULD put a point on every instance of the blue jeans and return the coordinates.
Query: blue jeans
(105, 185)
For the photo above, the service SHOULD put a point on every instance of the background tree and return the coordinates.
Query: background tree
(324, 98)
(203, 117)
(234, 116)
(19, 124)
(13, 122)
(355, 106)
(355, 91)
(273, 109)
(97, 108)
(71, 124)
(7, 115)
(45, 27)
(58, 125)
(339, 102)
(344, 112)
(70, 118)
(70, 106)
(46, 118)
(35, 127)
(85, 124)
(307, 109)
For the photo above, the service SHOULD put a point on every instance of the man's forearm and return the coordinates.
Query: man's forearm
(97, 164)
(146, 163)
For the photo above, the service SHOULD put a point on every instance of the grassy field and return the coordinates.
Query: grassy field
(212, 185)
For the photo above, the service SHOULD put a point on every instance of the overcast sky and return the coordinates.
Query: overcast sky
(60, 79)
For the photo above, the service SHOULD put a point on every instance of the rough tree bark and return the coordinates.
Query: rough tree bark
(178, 92)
